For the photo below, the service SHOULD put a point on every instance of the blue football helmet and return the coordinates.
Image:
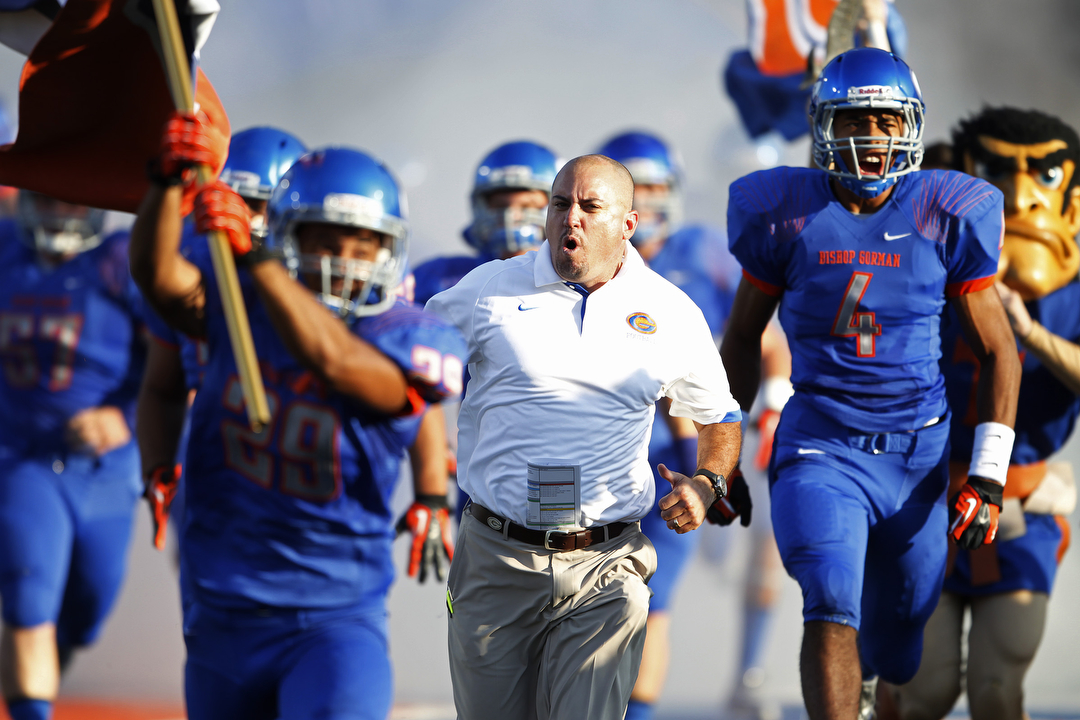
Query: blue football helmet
(650, 162)
(867, 78)
(343, 186)
(521, 165)
(257, 159)
(57, 227)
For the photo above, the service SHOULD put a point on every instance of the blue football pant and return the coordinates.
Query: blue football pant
(863, 533)
(296, 664)
(64, 538)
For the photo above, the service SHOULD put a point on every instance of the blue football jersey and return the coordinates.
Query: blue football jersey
(442, 273)
(863, 294)
(298, 515)
(1046, 411)
(684, 262)
(70, 339)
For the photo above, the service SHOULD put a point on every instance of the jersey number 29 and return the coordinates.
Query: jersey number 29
(306, 443)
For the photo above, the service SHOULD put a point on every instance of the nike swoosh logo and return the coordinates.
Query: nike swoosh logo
(810, 451)
(972, 503)
(522, 307)
(961, 518)
(889, 237)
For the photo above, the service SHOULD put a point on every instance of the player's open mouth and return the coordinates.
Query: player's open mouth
(872, 165)
(570, 243)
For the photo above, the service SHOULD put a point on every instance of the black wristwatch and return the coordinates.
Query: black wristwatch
(719, 482)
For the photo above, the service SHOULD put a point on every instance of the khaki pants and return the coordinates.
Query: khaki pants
(536, 634)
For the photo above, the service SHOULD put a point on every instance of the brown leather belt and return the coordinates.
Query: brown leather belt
(547, 539)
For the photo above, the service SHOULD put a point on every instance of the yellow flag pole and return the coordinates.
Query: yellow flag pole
(178, 74)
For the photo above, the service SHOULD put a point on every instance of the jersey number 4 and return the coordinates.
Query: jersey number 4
(852, 323)
(306, 447)
(17, 334)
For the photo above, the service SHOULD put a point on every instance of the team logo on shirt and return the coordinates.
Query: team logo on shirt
(642, 323)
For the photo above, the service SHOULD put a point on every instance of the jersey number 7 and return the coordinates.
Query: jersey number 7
(852, 323)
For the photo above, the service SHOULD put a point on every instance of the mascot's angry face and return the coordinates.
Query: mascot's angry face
(1032, 158)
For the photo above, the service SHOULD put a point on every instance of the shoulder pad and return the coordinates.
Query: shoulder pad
(783, 198)
(937, 195)
(427, 348)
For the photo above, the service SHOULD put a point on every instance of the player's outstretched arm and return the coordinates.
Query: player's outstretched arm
(776, 368)
(162, 404)
(987, 330)
(1059, 355)
(428, 518)
(741, 347)
(974, 510)
(172, 285)
(325, 345)
(159, 421)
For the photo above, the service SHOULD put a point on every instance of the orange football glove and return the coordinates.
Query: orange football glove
(218, 207)
(184, 144)
(973, 513)
(161, 486)
(428, 520)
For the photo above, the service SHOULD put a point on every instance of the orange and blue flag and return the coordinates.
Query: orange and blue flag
(93, 99)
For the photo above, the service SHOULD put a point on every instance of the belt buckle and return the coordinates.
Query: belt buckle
(547, 539)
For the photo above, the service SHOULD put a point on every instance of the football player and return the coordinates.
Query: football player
(72, 352)
(1032, 158)
(286, 540)
(862, 256)
(257, 158)
(509, 201)
(682, 255)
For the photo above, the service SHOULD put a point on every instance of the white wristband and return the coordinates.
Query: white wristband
(991, 451)
(775, 392)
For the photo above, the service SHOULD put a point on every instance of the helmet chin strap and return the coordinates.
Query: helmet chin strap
(865, 189)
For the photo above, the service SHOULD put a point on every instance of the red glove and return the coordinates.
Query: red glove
(428, 519)
(766, 425)
(973, 513)
(218, 207)
(736, 504)
(184, 144)
(161, 486)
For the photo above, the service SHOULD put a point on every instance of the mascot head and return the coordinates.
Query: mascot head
(1032, 158)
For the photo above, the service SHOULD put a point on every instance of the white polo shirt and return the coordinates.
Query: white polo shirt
(558, 374)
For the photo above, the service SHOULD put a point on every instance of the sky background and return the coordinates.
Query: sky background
(432, 85)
